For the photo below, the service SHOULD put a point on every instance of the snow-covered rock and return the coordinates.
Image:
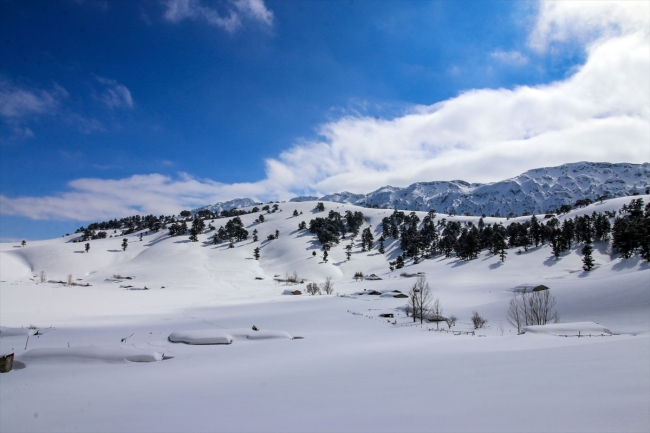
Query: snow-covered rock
(224, 336)
(228, 205)
(570, 329)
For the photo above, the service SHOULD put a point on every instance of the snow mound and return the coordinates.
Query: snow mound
(89, 354)
(224, 336)
(292, 292)
(16, 332)
(206, 336)
(570, 329)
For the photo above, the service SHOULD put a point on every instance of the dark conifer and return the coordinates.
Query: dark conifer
(587, 259)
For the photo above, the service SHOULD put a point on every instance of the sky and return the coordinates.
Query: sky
(110, 109)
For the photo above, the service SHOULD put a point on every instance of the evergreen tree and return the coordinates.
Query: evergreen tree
(255, 238)
(501, 247)
(295, 213)
(348, 252)
(625, 237)
(198, 225)
(256, 253)
(277, 234)
(399, 262)
(602, 226)
(194, 234)
(320, 207)
(645, 234)
(381, 245)
(125, 243)
(87, 247)
(557, 246)
(366, 240)
(587, 259)
(325, 256)
(23, 243)
(302, 226)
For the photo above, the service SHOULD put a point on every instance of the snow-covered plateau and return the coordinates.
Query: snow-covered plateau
(95, 356)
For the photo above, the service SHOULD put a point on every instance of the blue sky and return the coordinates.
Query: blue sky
(180, 103)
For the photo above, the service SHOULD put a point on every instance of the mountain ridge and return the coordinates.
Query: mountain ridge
(535, 191)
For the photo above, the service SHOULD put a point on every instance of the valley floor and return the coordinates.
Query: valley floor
(352, 371)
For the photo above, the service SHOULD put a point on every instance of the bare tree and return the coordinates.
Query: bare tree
(312, 289)
(435, 313)
(328, 286)
(43, 277)
(420, 298)
(477, 320)
(451, 321)
(534, 308)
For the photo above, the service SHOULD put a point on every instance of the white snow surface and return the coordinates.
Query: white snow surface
(353, 371)
(569, 329)
(88, 354)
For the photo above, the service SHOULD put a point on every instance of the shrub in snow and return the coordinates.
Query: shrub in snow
(478, 321)
(312, 289)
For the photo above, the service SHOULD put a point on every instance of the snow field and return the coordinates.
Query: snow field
(351, 372)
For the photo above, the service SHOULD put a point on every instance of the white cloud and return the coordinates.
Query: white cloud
(599, 113)
(115, 95)
(510, 57)
(18, 102)
(586, 21)
(229, 19)
(100, 198)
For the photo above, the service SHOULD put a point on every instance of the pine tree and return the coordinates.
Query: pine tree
(535, 231)
(87, 247)
(399, 262)
(256, 253)
(125, 243)
(645, 234)
(255, 238)
(381, 245)
(587, 260)
(500, 247)
(325, 256)
(295, 213)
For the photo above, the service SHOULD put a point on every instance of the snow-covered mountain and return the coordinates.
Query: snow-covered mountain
(227, 205)
(535, 191)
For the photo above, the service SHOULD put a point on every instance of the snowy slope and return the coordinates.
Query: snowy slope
(353, 371)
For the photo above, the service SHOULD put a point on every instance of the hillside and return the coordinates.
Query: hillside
(352, 370)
